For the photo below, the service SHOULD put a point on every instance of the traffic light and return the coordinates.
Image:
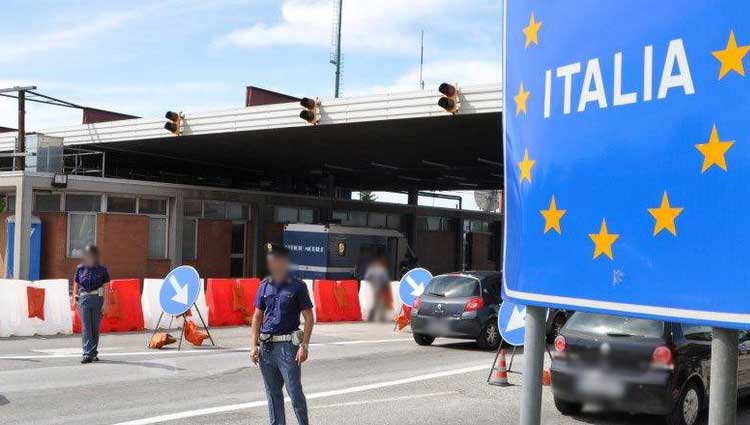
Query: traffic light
(311, 113)
(174, 125)
(449, 101)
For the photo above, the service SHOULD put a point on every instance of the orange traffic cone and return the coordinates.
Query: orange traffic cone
(546, 377)
(500, 375)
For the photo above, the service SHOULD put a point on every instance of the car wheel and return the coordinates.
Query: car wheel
(422, 339)
(554, 330)
(568, 408)
(489, 337)
(687, 410)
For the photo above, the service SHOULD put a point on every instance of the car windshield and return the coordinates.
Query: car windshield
(453, 286)
(600, 324)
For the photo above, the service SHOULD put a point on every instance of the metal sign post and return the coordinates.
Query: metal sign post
(722, 400)
(531, 391)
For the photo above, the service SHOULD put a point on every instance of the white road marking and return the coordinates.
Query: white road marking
(76, 352)
(384, 400)
(70, 351)
(313, 396)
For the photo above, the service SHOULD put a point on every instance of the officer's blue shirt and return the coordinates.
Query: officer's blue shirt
(91, 278)
(282, 304)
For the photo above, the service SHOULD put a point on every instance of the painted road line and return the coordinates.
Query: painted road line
(313, 396)
(383, 400)
(64, 353)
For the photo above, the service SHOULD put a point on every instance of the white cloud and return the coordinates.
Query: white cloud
(376, 26)
(19, 46)
(461, 72)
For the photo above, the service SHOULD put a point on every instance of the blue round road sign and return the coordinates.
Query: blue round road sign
(180, 290)
(413, 285)
(512, 323)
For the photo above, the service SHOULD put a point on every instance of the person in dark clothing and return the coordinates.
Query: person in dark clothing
(90, 289)
(277, 343)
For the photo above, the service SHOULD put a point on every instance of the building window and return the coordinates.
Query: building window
(341, 216)
(10, 203)
(189, 239)
(152, 206)
(47, 202)
(394, 221)
(193, 208)
(237, 211)
(357, 219)
(376, 220)
(81, 232)
(306, 216)
(215, 210)
(157, 237)
(83, 203)
(117, 204)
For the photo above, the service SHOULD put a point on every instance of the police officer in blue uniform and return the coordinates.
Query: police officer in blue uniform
(278, 345)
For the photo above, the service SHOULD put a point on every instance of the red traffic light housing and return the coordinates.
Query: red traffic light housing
(311, 113)
(449, 101)
(174, 123)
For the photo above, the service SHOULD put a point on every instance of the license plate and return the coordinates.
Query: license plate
(438, 327)
(598, 384)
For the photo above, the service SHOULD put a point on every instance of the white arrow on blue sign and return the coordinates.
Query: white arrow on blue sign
(512, 323)
(180, 290)
(413, 285)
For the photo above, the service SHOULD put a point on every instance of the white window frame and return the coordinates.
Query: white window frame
(67, 229)
(102, 202)
(196, 220)
(166, 226)
(117, 195)
(59, 206)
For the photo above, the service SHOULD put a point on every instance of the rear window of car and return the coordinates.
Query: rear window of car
(453, 286)
(600, 324)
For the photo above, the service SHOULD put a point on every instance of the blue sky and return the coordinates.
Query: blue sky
(144, 57)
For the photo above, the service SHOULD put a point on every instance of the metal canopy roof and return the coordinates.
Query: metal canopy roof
(385, 142)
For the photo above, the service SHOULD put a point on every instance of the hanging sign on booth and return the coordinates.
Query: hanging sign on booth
(413, 285)
(180, 290)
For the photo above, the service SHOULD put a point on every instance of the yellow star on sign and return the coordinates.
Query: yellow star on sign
(532, 31)
(665, 216)
(552, 216)
(603, 241)
(520, 99)
(731, 57)
(525, 166)
(713, 151)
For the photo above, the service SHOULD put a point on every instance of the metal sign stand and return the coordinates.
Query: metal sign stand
(182, 331)
(722, 400)
(513, 353)
(534, 346)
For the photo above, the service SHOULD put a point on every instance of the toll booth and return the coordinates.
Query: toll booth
(332, 251)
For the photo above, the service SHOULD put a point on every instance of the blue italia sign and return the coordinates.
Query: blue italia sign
(627, 157)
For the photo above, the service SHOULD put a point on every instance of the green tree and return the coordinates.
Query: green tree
(367, 196)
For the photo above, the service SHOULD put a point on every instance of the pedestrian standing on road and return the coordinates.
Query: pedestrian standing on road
(90, 289)
(277, 342)
(380, 282)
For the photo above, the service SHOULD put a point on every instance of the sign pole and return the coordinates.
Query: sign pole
(722, 408)
(531, 395)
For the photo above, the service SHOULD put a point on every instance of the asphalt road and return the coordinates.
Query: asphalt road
(357, 374)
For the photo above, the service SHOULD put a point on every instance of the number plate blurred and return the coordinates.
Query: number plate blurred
(595, 383)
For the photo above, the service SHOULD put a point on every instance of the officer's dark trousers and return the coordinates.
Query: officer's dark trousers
(279, 368)
(90, 310)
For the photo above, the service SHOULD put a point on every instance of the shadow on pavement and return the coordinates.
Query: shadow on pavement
(150, 365)
(3, 401)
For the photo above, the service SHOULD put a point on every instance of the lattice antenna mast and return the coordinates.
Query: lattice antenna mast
(336, 43)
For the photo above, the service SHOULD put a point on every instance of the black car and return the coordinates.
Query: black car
(637, 366)
(459, 305)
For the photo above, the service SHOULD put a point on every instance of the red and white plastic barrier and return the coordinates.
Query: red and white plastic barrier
(337, 301)
(152, 309)
(124, 313)
(231, 301)
(14, 308)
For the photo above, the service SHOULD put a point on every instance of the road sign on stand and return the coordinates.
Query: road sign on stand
(178, 294)
(180, 290)
(512, 323)
(625, 158)
(413, 285)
